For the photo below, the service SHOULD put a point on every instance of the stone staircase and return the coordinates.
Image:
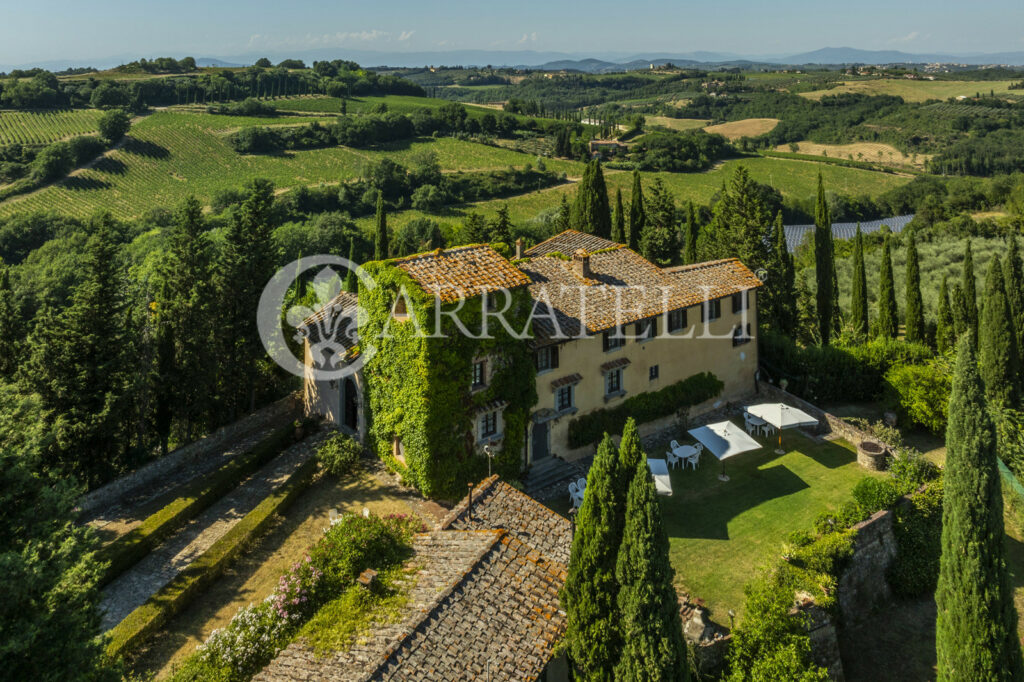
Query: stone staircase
(543, 479)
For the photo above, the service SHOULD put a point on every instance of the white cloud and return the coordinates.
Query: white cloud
(909, 38)
(405, 35)
(528, 38)
(326, 39)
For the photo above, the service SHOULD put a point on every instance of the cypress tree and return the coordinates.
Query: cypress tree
(590, 593)
(859, 295)
(351, 283)
(501, 226)
(11, 342)
(997, 345)
(590, 211)
(824, 265)
(475, 230)
(970, 296)
(564, 210)
(915, 308)
(630, 452)
(945, 336)
(691, 236)
(619, 222)
(887, 315)
(976, 627)
(958, 306)
(381, 239)
(651, 629)
(637, 215)
(1012, 271)
(778, 298)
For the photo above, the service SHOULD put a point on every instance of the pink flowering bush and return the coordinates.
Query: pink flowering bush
(293, 600)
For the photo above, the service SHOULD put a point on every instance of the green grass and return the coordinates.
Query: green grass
(915, 91)
(174, 154)
(43, 127)
(200, 574)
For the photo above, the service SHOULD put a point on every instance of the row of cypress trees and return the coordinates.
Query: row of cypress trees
(621, 606)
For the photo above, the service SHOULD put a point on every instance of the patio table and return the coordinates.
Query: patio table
(684, 452)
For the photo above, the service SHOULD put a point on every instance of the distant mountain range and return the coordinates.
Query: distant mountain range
(597, 62)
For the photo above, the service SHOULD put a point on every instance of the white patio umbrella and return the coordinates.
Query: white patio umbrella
(724, 439)
(782, 416)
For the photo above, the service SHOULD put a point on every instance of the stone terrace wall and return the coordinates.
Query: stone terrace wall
(108, 494)
(864, 586)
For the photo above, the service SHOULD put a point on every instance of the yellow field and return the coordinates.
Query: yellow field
(915, 91)
(748, 127)
(676, 123)
(873, 152)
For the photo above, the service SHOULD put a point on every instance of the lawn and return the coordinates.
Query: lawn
(255, 574)
(720, 533)
(676, 123)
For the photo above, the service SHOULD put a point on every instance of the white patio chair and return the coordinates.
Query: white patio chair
(581, 484)
(694, 459)
(674, 445)
(671, 458)
(750, 426)
(574, 491)
(767, 429)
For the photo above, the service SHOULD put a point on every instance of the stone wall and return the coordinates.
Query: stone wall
(863, 586)
(111, 492)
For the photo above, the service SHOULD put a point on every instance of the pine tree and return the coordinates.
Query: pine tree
(11, 328)
(501, 226)
(658, 238)
(564, 211)
(691, 235)
(619, 220)
(888, 324)
(945, 337)
(247, 259)
(740, 224)
(79, 363)
(859, 295)
(637, 214)
(351, 282)
(475, 230)
(590, 211)
(184, 320)
(914, 331)
(590, 593)
(649, 622)
(976, 628)
(1012, 270)
(997, 343)
(970, 296)
(824, 265)
(381, 238)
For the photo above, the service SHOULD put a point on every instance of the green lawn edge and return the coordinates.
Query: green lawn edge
(171, 599)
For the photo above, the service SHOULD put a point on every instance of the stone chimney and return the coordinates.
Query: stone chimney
(519, 248)
(581, 264)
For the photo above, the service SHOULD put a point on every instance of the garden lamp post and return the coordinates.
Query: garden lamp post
(490, 455)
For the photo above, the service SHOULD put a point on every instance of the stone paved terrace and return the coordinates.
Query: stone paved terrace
(484, 604)
(133, 505)
(133, 587)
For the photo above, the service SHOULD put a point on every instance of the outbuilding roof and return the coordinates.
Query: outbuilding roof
(462, 272)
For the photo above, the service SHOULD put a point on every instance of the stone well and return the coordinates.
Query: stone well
(872, 455)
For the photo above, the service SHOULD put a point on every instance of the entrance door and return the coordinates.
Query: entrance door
(540, 442)
(351, 410)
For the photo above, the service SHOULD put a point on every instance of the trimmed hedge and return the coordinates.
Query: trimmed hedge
(197, 576)
(196, 496)
(644, 407)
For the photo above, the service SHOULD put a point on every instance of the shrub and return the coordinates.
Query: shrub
(114, 125)
(644, 408)
(910, 470)
(356, 543)
(340, 455)
(917, 528)
(921, 392)
(875, 494)
(254, 636)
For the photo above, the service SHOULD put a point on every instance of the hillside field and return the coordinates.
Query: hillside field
(873, 152)
(170, 155)
(748, 127)
(676, 123)
(915, 90)
(37, 128)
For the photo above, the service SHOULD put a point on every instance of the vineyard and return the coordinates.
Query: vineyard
(39, 128)
(170, 155)
(950, 110)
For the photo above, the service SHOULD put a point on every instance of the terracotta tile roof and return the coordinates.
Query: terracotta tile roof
(568, 242)
(485, 598)
(335, 322)
(565, 381)
(623, 287)
(462, 272)
(614, 364)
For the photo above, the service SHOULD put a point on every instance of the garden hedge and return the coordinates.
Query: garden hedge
(644, 407)
(197, 576)
(194, 497)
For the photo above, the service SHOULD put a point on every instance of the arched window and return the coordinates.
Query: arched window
(399, 311)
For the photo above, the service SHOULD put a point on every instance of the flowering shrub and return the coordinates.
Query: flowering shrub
(258, 632)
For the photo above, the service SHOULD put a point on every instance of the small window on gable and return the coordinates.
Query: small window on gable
(399, 311)
(653, 372)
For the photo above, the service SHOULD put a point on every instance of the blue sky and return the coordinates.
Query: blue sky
(35, 30)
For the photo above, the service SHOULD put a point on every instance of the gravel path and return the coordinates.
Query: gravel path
(133, 587)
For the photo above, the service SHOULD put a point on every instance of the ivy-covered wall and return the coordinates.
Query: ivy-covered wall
(418, 388)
